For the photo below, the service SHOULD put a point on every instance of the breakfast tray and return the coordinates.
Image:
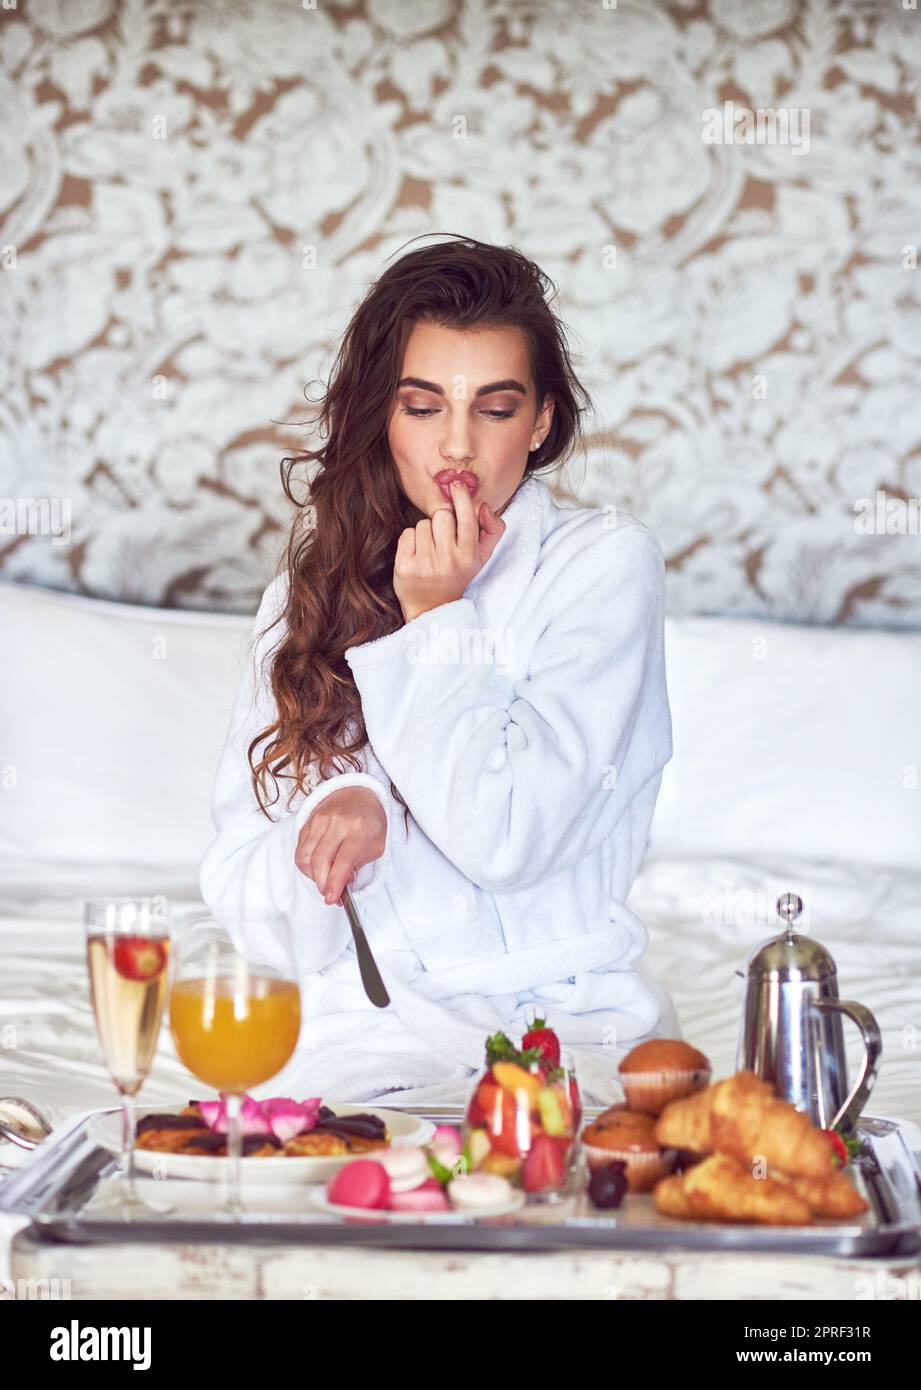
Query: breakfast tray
(56, 1185)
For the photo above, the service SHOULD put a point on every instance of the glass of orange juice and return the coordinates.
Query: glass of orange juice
(234, 1010)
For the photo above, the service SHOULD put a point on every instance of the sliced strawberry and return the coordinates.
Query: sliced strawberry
(482, 1101)
(544, 1165)
(139, 957)
(563, 1142)
(500, 1114)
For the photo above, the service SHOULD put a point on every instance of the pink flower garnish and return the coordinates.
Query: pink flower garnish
(290, 1117)
(277, 1115)
(252, 1120)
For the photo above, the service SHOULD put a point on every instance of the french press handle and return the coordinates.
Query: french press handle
(872, 1045)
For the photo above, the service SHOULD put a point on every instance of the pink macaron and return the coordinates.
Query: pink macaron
(429, 1196)
(362, 1183)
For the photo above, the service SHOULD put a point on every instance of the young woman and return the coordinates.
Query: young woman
(463, 685)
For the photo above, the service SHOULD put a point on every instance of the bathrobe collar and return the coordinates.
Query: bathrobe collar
(500, 585)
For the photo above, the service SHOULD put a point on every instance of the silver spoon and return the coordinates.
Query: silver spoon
(21, 1123)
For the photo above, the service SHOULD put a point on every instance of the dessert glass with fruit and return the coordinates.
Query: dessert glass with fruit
(523, 1114)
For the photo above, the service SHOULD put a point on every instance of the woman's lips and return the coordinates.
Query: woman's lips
(447, 476)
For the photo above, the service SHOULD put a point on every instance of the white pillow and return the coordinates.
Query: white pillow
(112, 718)
(792, 740)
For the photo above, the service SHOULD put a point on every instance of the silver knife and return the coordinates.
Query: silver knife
(367, 965)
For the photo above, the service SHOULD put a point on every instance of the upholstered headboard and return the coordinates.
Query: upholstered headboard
(194, 198)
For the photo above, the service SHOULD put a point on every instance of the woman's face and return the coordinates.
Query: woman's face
(465, 405)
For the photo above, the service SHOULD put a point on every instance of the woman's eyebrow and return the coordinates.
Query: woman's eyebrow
(508, 385)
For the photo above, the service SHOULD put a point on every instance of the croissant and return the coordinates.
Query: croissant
(722, 1189)
(833, 1196)
(742, 1117)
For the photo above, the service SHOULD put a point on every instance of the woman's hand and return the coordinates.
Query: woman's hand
(348, 829)
(437, 558)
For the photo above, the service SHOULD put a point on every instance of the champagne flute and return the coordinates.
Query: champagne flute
(234, 1010)
(128, 952)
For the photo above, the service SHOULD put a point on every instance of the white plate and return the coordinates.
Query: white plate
(319, 1200)
(407, 1131)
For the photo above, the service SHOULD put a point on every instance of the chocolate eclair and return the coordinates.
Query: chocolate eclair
(332, 1135)
(350, 1126)
(188, 1134)
(169, 1121)
(335, 1135)
(251, 1146)
(169, 1133)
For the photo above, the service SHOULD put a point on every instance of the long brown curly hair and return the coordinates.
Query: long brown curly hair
(340, 553)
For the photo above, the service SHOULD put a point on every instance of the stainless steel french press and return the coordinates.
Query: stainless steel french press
(791, 1033)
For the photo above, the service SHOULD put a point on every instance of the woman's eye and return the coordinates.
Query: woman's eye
(420, 412)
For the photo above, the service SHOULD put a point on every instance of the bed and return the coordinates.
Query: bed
(797, 757)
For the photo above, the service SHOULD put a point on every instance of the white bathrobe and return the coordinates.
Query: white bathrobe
(526, 725)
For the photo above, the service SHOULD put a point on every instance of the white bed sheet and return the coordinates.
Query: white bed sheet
(703, 920)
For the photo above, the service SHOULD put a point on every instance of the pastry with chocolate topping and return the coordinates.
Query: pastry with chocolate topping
(339, 1134)
(333, 1135)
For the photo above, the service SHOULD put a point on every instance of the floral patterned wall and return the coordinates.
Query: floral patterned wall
(195, 194)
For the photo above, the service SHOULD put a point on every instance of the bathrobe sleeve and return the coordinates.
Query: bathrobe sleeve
(515, 787)
(249, 866)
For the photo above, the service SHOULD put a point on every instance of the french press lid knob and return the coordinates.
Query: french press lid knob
(789, 909)
(790, 956)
